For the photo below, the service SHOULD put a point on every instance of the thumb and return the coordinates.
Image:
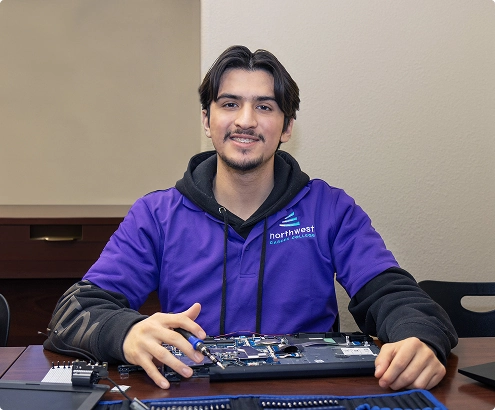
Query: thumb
(193, 312)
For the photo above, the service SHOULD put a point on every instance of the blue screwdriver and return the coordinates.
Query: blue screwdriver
(199, 345)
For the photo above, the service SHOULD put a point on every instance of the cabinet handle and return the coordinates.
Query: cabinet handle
(56, 238)
(55, 233)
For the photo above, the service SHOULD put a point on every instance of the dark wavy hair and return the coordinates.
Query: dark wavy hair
(285, 88)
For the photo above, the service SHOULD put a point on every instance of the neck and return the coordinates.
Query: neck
(242, 193)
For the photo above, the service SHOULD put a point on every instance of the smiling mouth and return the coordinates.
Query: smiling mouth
(243, 140)
(244, 137)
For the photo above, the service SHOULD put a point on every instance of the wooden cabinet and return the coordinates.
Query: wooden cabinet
(52, 248)
(40, 258)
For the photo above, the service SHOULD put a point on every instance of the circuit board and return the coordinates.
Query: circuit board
(284, 356)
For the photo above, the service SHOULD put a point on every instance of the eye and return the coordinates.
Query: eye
(264, 107)
(229, 105)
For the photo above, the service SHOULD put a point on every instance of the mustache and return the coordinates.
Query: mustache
(238, 131)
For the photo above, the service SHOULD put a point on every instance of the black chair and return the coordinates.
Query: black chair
(466, 322)
(4, 321)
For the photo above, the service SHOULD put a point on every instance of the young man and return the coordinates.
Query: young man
(247, 243)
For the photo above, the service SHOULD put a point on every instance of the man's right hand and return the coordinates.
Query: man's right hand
(143, 343)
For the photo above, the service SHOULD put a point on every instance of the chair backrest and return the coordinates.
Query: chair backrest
(4, 321)
(466, 322)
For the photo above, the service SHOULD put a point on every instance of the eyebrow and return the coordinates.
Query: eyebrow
(238, 97)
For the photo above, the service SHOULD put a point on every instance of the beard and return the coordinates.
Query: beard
(247, 164)
(243, 165)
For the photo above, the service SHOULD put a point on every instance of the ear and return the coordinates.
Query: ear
(206, 123)
(288, 132)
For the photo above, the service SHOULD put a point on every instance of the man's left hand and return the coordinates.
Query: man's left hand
(409, 364)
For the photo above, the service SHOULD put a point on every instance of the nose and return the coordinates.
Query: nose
(246, 118)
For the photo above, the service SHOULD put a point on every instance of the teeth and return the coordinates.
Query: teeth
(243, 140)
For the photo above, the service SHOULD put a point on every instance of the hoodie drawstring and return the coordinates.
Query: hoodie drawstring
(261, 274)
(223, 211)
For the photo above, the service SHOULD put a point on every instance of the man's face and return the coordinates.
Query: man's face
(245, 124)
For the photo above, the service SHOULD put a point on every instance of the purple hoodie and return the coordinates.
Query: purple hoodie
(168, 243)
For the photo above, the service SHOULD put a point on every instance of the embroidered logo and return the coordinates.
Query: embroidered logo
(290, 220)
(293, 230)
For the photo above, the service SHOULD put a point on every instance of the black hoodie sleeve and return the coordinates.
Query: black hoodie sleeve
(393, 307)
(91, 323)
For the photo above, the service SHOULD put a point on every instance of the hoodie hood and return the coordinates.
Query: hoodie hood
(197, 186)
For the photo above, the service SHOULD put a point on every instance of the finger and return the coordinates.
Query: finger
(193, 311)
(404, 379)
(437, 378)
(383, 360)
(395, 374)
(423, 371)
(185, 320)
(181, 343)
(163, 355)
(429, 377)
(154, 374)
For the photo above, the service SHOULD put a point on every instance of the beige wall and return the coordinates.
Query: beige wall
(398, 108)
(98, 99)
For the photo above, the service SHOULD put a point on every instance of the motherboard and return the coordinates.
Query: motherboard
(283, 356)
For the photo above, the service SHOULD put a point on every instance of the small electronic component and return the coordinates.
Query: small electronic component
(84, 374)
